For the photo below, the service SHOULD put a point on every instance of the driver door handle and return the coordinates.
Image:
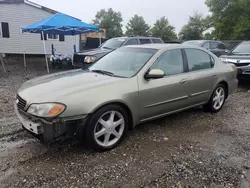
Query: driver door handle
(183, 81)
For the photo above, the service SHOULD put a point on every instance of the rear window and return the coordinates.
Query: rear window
(157, 40)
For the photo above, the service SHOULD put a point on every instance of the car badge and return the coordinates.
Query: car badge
(17, 101)
(238, 61)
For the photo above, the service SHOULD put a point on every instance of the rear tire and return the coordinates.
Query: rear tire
(217, 99)
(106, 128)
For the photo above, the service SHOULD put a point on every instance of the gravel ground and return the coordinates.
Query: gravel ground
(189, 149)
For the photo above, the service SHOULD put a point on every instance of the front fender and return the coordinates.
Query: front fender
(87, 102)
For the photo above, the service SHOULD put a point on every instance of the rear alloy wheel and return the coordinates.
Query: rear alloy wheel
(106, 128)
(217, 100)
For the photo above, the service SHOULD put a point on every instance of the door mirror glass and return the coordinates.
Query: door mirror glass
(154, 74)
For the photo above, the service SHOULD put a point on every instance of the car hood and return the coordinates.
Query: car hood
(50, 88)
(236, 56)
(94, 51)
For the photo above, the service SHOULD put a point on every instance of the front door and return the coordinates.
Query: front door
(201, 77)
(158, 97)
(217, 48)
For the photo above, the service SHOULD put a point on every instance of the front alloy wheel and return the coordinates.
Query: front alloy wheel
(106, 128)
(109, 128)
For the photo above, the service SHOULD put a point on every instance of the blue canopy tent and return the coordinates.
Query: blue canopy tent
(60, 24)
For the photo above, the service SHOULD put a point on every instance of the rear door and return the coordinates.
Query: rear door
(201, 76)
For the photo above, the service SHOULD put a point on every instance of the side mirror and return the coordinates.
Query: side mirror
(154, 74)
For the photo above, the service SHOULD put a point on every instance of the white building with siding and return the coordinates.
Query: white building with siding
(15, 14)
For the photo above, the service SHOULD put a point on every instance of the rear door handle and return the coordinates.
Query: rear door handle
(215, 75)
(183, 81)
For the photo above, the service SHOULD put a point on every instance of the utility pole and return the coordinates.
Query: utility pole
(2, 62)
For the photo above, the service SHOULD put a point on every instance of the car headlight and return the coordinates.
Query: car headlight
(46, 109)
(89, 59)
(224, 60)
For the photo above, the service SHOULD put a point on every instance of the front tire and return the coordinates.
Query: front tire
(106, 128)
(217, 99)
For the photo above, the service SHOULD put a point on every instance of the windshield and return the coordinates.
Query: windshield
(124, 62)
(244, 47)
(195, 43)
(113, 43)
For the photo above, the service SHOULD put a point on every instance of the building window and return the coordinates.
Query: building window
(61, 38)
(5, 30)
(52, 36)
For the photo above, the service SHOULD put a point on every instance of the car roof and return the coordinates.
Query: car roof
(163, 46)
(245, 41)
(157, 46)
(203, 41)
(129, 37)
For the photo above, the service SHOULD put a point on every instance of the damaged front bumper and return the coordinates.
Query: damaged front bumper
(52, 130)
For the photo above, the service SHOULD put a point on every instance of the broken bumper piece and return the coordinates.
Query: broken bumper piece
(52, 130)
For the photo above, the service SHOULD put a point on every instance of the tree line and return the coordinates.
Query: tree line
(229, 20)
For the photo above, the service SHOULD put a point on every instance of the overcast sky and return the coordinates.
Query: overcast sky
(177, 11)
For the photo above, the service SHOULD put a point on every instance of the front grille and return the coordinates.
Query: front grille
(79, 58)
(241, 64)
(21, 103)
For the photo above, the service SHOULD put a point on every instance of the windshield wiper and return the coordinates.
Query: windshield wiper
(85, 69)
(103, 72)
(107, 48)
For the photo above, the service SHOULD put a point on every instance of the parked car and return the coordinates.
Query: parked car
(129, 86)
(240, 57)
(217, 47)
(86, 58)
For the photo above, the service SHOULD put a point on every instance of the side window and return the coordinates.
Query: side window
(132, 42)
(206, 45)
(145, 41)
(222, 46)
(198, 60)
(157, 40)
(213, 45)
(170, 62)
